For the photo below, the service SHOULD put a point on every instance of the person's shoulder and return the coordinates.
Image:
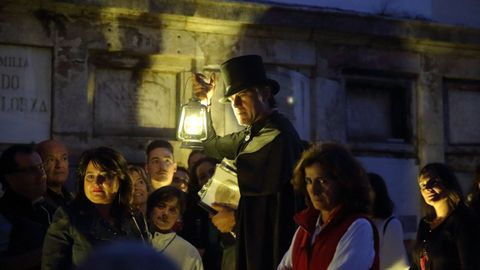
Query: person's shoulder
(284, 126)
(188, 248)
(465, 216)
(185, 243)
(73, 213)
(279, 121)
(361, 221)
(133, 212)
(64, 213)
(391, 225)
(360, 227)
(394, 222)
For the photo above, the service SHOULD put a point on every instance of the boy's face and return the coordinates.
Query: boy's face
(165, 214)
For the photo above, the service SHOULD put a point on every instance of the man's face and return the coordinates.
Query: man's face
(161, 167)
(29, 179)
(248, 106)
(55, 158)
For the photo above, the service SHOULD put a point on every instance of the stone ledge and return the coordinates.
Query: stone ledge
(260, 19)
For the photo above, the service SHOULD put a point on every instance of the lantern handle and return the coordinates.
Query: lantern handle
(203, 89)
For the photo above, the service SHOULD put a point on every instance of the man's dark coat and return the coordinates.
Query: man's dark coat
(265, 156)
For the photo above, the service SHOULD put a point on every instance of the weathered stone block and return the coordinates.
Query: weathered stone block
(134, 106)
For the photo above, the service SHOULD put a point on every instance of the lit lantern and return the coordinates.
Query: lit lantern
(192, 129)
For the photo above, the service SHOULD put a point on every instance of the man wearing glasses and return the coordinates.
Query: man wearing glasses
(23, 177)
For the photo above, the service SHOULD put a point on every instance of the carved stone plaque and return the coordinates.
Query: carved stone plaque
(25, 93)
(127, 104)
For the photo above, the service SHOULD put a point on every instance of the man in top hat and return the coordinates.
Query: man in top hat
(265, 153)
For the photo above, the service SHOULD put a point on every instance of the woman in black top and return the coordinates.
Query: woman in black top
(99, 214)
(448, 235)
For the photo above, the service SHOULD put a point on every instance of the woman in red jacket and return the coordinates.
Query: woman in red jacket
(334, 231)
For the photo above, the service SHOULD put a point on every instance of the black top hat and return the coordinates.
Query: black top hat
(243, 72)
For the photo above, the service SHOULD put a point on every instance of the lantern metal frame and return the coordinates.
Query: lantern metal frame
(192, 128)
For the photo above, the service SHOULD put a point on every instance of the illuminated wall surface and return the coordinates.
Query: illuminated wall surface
(400, 92)
(459, 12)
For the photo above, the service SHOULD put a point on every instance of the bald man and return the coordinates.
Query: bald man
(55, 158)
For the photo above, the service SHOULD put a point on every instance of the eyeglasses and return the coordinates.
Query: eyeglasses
(102, 177)
(34, 169)
(430, 183)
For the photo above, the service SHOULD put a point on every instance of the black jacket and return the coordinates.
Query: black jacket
(454, 244)
(75, 231)
(28, 224)
(56, 199)
(265, 155)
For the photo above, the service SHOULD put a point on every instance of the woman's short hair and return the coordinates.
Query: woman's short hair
(164, 194)
(382, 205)
(143, 175)
(447, 177)
(106, 159)
(339, 162)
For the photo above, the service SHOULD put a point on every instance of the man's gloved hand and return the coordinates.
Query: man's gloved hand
(203, 89)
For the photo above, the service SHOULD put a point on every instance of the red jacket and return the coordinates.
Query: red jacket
(305, 256)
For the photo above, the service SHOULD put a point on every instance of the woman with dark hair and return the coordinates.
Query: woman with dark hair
(99, 214)
(447, 236)
(334, 231)
(390, 231)
(165, 207)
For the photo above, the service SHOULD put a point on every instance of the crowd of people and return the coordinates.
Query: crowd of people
(301, 206)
